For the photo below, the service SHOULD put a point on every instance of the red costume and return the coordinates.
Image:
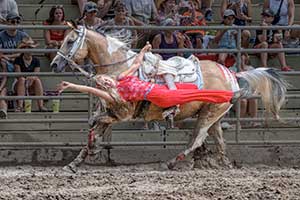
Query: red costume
(132, 88)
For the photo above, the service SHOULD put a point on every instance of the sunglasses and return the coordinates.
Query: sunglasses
(15, 21)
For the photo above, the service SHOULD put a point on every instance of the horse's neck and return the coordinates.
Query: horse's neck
(114, 53)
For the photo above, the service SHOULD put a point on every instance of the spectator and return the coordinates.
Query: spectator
(204, 5)
(31, 84)
(167, 9)
(121, 19)
(54, 38)
(287, 15)
(6, 7)
(89, 18)
(243, 12)
(142, 11)
(226, 39)
(168, 39)
(193, 17)
(206, 9)
(270, 39)
(105, 7)
(10, 39)
(3, 105)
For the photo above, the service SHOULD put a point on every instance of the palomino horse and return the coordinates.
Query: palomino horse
(110, 57)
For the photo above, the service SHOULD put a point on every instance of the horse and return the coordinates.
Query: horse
(111, 56)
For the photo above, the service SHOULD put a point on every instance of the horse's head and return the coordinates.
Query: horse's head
(74, 48)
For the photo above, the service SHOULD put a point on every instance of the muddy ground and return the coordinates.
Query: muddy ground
(147, 182)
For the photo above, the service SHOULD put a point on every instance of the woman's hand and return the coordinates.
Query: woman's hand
(147, 47)
(63, 86)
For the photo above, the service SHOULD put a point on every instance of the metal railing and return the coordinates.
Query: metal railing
(238, 51)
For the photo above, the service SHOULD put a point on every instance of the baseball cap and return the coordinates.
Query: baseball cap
(268, 12)
(90, 7)
(228, 12)
(12, 15)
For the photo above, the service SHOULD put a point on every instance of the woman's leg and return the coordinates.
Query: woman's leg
(36, 86)
(281, 55)
(263, 56)
(245, 38)
(20, 89)
(3, 104)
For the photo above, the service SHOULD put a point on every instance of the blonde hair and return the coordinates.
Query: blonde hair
(120, 106)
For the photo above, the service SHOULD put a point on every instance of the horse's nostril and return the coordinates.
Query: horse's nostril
(54, 67)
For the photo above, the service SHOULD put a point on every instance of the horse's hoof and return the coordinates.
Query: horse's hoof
(70, 169)
(171, 165)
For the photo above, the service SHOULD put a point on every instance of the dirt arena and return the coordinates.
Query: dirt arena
(146, 182)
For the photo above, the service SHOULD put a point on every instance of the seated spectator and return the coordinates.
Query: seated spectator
(226, 39)
(142, 11)
(54, 38)
(287, 16)
(31, 84)
(106, 9)
(89, 17)
(121, 19)
(10, 39)
(193, 17)
(270, 39)
(205, 6)
(206, 9)
(243, 12)
(3, 80)
(168, 39)
(167, 9)
(6, 7)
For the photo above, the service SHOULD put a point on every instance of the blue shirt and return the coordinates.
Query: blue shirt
(11, 42)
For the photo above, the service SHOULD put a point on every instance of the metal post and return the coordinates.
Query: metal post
(90, 103)
(238, 105)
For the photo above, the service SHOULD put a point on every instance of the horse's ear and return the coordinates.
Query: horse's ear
(72, 24)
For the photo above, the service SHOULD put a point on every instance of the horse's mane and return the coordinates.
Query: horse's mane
(119, 35)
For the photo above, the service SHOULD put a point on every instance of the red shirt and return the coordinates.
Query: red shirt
(57, 35)
(132, 88)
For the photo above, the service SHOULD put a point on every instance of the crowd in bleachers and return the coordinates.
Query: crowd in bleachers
(98, 13)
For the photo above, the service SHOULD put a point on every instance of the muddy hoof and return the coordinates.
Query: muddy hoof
(171, 165)
(69, 168)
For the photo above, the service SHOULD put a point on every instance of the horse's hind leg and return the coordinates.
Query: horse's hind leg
(208, 115)
(92, 148)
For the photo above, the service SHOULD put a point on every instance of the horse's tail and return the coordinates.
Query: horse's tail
(269, 84)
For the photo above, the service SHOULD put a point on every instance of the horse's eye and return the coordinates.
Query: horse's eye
(70, 42)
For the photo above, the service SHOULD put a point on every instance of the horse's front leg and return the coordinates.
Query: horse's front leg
(92, 148)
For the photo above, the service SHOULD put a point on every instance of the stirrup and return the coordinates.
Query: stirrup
(169, 115)
(174, 110)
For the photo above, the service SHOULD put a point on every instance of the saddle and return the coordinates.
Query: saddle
(184, 70)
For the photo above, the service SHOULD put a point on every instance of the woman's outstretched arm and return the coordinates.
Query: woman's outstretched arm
(137, 62)
(85, 89)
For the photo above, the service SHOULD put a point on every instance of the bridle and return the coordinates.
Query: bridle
(78, 44)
